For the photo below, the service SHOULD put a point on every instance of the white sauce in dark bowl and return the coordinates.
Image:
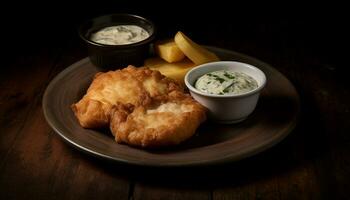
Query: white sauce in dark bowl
(225, 82)
(120, 35)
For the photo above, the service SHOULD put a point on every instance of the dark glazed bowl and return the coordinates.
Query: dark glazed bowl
(111, 57)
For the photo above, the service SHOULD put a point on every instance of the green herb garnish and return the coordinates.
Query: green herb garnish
(229, 75)
(221, 80)
(226, 90)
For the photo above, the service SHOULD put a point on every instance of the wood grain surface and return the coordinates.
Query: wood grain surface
(313, 162)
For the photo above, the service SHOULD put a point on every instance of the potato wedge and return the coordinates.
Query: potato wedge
(169, 51)
(175, 70)
(194, 51)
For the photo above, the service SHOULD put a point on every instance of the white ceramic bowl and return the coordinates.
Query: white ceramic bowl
(228, 108)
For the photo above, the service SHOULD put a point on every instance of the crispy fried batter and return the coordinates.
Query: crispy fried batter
(130, 85)
(167, 123)
(141, 107)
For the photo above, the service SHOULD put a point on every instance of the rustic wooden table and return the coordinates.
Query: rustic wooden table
(313, 162)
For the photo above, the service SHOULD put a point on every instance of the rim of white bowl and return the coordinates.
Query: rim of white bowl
(254, 91)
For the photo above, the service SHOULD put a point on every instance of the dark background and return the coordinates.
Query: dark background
(307, 43)
(265, 31)
(319, 29)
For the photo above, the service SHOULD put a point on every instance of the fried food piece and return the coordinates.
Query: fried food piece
(176, 70)
(141, 107)
(163, 124)
(129, 85)
(168, 50)
(194, 51)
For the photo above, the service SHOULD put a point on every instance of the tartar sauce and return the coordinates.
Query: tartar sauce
(119, 35)
(226, 82)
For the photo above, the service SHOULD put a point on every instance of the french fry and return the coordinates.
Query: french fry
(175, 70)
(194, 51)
(169, 51)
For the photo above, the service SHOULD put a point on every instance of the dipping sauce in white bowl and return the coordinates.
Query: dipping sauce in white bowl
(230, 107)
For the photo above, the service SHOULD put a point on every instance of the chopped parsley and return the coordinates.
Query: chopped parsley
(221, 80)
(226, 90)
(228, 75)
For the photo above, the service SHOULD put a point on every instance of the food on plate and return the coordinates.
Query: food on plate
(226, 82)
(169, 51)
(93, 110)
(172, 61)
(142, 108)
(175, 70)
(120, 35)
(194, 51)
(158, 124)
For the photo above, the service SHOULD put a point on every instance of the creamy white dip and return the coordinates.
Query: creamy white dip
(226, 82)
(119, 35)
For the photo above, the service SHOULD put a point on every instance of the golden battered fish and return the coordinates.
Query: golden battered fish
(142, 108)
(130, 85)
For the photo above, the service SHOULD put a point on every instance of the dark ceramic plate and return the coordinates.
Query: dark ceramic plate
(273, 119)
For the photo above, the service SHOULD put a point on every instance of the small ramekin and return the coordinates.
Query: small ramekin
(111, 57)
(228, 108)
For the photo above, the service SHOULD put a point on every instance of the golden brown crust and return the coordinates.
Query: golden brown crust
(92, 113)
(156, 127)
(141, 106)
